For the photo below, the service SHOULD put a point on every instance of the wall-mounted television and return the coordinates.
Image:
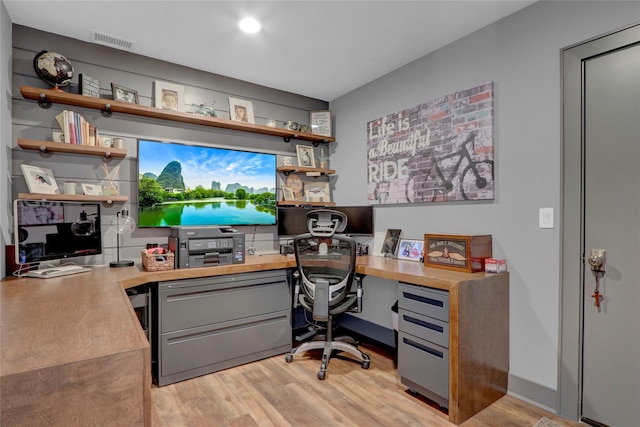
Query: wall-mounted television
(293, 220)
(47, 230)
(193, 185)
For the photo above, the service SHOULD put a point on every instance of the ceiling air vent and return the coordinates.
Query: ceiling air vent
(111, 41)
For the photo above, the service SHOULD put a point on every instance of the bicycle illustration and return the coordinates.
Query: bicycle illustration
(476, 176)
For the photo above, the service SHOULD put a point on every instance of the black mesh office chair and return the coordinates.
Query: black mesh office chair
(326, 265)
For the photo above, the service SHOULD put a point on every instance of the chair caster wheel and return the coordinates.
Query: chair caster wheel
(288, 358)
(322, 375)
(365, 364)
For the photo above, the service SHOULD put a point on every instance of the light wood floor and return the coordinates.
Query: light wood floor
(272, 392)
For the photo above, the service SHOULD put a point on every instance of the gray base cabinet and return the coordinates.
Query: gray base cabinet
(208, 324)
(423, 341)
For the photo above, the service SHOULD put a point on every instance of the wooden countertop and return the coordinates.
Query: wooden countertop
(53, 321)
(47, 325)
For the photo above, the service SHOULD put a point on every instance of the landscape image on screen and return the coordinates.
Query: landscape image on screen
(191, 185)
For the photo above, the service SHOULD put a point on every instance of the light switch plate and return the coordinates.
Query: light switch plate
(546, 217)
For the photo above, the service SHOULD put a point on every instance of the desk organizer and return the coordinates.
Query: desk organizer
(157, 261)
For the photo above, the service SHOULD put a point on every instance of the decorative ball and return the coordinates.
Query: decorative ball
(53, 68)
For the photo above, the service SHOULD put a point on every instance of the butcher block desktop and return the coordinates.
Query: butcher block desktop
(73, 350)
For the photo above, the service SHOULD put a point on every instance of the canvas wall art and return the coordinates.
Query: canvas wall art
(439, 151)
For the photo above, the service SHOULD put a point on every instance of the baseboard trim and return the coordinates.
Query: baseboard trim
(536, 394)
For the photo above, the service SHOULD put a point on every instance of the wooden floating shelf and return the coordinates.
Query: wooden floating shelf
(302, 203)
(108, 106)
(304, 169)
(62, 147)
(72, 198)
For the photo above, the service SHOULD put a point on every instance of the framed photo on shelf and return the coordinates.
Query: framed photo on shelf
(39, 180)
(320, 122)
(241, 110)
(305, 156)
(89, 86)
(390, 242)
(294, 182)
(121, 93)
(92, 189)
(287, 193)
(317, 191)
(168, 96)
(410, 249)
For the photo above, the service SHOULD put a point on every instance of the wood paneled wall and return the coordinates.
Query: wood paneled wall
(139, 73)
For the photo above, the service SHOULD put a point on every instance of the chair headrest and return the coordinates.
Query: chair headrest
(326, 222)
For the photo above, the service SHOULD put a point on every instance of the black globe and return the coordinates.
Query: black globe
(53, 68)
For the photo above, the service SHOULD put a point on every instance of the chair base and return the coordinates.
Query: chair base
(328, 348)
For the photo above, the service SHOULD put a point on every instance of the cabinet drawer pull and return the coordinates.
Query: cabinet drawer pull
(423, 299)
(423, 323)
(423, 348)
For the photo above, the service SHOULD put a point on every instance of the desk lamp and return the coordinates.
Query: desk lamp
(124, 224)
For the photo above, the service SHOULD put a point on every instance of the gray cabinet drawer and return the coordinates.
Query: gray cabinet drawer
(424, 327)
(427, 301)
(424, 363)
(188, 305)
(191, 351)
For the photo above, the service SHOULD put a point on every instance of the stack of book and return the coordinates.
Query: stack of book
(76, 130)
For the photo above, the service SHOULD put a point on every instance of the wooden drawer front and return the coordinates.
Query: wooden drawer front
(185, 307)
(430, 302)
(424, 327)
(189, 350)
(424, 363)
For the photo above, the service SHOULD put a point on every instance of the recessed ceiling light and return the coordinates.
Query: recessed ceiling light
(249, 25)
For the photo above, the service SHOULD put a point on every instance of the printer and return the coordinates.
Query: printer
(206, 246)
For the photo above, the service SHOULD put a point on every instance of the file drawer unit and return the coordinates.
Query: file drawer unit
(214, 323)
(423, 341)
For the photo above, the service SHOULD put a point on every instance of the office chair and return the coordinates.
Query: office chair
(326, 265)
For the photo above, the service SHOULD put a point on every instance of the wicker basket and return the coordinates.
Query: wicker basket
(157, 262)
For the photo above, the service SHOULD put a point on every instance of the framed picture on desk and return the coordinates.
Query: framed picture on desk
(410, 249)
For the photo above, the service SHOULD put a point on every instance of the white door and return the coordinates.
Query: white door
(611, 218)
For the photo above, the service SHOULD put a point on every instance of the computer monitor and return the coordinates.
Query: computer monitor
(293, 220)
(48, 230)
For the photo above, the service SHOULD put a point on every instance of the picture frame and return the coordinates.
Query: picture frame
(411, 249)
(89, 86)
(241, 110)
(320, 122)
(124, 94)
(91, 189)
(40, 180)
(390, 243)
(286, 161)
(317, 191)
(168, 96)
(287, 194)
(305, 156)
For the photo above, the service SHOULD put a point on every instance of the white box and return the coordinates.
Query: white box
(493, 265)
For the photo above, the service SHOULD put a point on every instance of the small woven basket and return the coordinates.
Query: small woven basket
(157, 262)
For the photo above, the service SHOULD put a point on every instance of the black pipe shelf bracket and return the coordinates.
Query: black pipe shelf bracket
(107, 111)
(42, 101)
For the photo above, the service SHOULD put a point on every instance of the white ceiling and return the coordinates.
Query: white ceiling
(320, 49)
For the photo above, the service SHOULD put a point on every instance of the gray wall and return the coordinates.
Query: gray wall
(5, 133)
(521, 54)
(138, 73)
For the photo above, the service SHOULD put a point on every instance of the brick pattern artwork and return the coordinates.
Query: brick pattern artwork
(439, 151)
